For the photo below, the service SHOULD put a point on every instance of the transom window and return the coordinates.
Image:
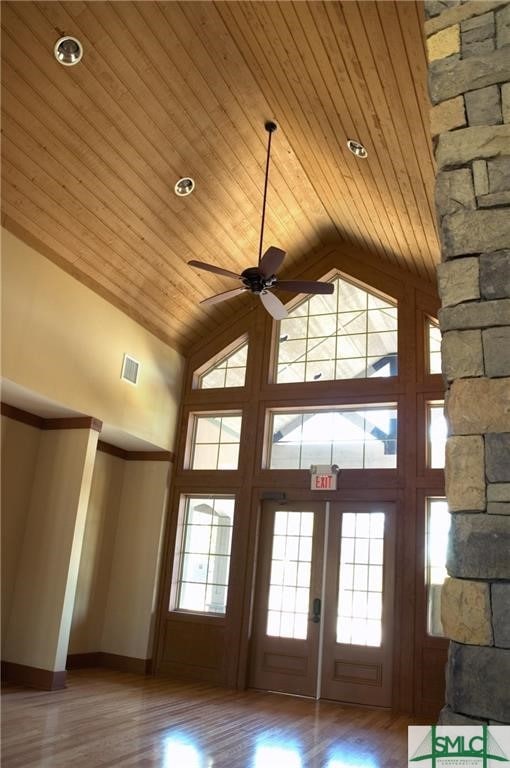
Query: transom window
(205, 554)
(433, 336)
(215, 440)
(359, 611)
(230, 371)
(349, 334)
(436, 435)
(438, 527)
(352, 438)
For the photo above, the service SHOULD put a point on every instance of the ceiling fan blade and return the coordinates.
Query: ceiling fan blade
(212, 268)
(304, 286)
(273, 305)
(223, 296)
(271, 261)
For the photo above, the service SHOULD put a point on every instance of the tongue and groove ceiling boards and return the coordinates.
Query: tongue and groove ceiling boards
(91, 153)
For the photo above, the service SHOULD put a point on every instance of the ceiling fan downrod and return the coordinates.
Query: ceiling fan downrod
(260, 280)
(270, 127)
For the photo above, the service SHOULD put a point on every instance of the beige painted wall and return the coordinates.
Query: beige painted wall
(20, 444)
(37, 634)
(96, 556)
(130, 608)
(66, 343)
(93, 580)
(117, 583)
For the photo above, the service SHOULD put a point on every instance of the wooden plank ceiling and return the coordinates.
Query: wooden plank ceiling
(91, 153)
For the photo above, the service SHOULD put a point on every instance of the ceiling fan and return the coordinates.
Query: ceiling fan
(261, 279)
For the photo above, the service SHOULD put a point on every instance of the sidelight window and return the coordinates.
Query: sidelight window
(438, 527)
(205, 554)
(350, 334)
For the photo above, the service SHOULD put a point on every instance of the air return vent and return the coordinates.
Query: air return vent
(130, 369)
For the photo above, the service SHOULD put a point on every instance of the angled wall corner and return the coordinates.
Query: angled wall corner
(39, 623)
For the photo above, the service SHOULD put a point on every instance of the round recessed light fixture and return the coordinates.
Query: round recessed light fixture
(357, 149)
(68, 51)
(184, 186)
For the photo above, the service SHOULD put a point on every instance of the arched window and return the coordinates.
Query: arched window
(349, 334)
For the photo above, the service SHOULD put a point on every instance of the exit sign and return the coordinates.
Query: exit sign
(323, 477)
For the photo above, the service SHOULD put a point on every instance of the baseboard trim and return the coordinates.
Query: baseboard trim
(109, 661)
(33, 677)
(83, 660)
(126, 663)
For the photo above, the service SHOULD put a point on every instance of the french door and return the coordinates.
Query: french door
(323, 614)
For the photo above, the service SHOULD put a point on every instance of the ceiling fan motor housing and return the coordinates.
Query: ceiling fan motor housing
(256, 282)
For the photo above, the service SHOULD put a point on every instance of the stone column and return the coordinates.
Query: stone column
(468, 45)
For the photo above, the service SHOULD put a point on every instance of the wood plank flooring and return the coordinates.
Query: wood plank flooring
(106, 718)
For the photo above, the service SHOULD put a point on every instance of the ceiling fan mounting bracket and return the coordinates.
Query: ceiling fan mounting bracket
(270, 126)
(255, 282)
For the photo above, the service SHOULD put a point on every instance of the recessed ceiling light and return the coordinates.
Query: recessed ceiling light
(184, 186)
(68, 51)
(357, 149)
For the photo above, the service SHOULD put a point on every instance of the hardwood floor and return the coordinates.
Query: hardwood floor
(106, 718)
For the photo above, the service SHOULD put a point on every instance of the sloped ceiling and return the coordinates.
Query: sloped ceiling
(91, 153)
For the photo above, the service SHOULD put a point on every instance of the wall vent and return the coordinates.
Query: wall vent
(130, 369)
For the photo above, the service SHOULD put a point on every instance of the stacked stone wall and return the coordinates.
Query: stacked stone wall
(468, 45)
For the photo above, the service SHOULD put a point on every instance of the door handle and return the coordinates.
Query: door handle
(316, 610)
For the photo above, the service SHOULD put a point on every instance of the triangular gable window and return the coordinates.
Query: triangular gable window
(226, 370)
(350, 334)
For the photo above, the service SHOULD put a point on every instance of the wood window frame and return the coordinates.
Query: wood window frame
(251, 483)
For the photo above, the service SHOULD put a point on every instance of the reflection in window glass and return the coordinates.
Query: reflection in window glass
(436, 435)
(349, 437)
(349, 334)
(438, 526)
(359, 612)
(289, 583)
(229, 372)
(434, 347)
(215, 443)
(205, 555)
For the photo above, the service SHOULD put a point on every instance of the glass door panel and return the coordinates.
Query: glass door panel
(359, 603)
(323, 612)
(357, 651)
(285, 632)
(289, 580)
